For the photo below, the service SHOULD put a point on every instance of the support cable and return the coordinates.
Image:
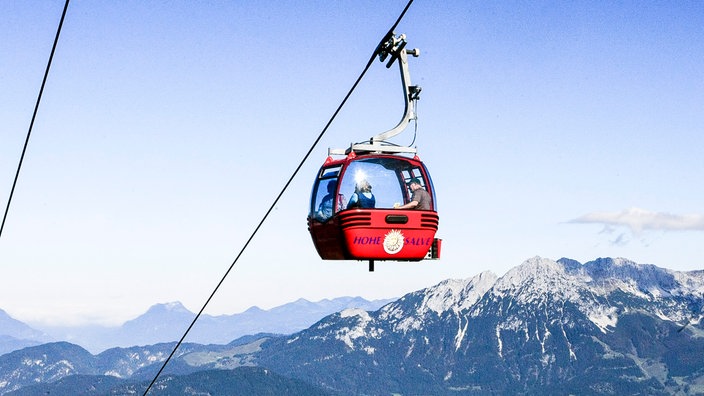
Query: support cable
(278, 197)
(34, 116)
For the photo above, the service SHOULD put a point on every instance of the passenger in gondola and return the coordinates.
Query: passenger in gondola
(420, 199)
(325, 209)
(362, 197)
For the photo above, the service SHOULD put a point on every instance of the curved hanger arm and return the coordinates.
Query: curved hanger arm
(395, 48)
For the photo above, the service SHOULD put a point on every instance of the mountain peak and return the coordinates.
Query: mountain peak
(18, 330)
(456, 294)
(160, 317)
(173, 307)
(540, 274)
(536, 266)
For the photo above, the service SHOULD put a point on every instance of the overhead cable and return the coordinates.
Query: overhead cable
(34, 116)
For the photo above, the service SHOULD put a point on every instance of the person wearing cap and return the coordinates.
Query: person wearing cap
(421, 198)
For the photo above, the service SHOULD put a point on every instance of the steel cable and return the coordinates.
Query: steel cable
(34, 116)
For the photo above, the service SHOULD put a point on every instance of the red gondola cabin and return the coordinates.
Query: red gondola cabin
(347, 222)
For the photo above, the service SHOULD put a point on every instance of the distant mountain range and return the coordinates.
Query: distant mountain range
(17, 335)
(167, 322)
(609, 326)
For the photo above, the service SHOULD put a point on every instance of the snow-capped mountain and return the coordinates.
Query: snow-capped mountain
(610, 326)
(545, 326)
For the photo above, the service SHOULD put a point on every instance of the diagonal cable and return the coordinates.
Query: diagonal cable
(278, 197)
(34, 116)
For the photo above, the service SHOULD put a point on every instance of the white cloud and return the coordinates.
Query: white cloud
(639, 220)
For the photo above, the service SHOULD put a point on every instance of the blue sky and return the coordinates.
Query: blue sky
(558, 129)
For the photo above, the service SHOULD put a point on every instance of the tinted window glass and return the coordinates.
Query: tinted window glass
(386, 176)
(323, 204)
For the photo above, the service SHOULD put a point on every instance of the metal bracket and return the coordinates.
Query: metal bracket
(393, 48)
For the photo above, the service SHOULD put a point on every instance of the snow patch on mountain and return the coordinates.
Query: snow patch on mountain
(691, 282)
(452, 295)
(603, 317)
(360, 329)
(355, 312)
(461, 331)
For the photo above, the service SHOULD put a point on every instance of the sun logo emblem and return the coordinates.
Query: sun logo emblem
(393, 242)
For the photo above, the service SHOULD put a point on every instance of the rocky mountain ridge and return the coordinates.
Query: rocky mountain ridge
(544, 326)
